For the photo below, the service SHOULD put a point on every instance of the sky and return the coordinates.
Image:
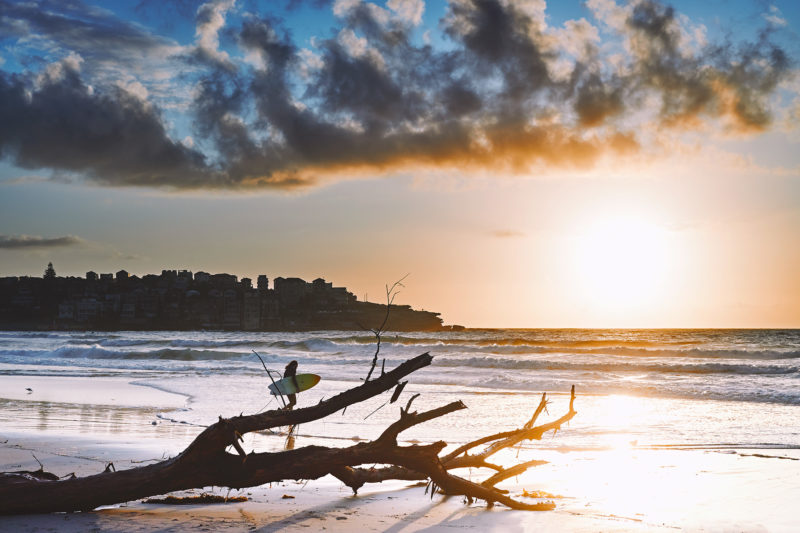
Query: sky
(593, 163)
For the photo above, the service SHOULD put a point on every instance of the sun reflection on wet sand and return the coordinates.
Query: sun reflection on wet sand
(629, 481)
(683, 488)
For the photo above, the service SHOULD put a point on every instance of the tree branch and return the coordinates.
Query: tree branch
(391, 293)
(206, 462)
(355, 478)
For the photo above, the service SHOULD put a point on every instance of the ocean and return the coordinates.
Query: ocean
(695, 389)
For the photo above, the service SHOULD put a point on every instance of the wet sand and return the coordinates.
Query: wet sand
(622, 489)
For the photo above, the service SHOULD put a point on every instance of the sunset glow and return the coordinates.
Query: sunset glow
(563, 236)
(622, 263)
(529, 163)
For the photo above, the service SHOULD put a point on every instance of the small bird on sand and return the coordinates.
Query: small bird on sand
(30, 390)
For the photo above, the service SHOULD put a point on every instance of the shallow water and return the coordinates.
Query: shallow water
(675, 388)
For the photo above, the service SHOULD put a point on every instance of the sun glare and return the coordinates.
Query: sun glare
(620, 263)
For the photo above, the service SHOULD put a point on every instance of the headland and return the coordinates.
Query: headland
(182, 300)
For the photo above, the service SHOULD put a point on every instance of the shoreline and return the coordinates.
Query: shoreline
(105, 390)
(621, 489)
(661, 442)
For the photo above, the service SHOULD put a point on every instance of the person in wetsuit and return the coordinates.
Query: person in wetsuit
(291, 372)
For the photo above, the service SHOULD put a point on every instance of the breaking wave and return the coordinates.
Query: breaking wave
(98, 352)
(608, 366)
(753, 366)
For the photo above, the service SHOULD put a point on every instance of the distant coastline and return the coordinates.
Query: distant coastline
(182, 300)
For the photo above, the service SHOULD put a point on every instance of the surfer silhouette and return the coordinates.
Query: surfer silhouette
(291, 372)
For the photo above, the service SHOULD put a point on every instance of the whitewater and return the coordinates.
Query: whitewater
(710, 389)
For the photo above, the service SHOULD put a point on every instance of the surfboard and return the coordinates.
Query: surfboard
(286, 385)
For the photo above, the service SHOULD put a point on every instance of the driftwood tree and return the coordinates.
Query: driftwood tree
(391, 294)
(207, 461)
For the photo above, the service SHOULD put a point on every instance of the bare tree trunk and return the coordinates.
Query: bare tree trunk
(206, 462)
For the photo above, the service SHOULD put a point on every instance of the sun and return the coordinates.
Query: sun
(620, 262)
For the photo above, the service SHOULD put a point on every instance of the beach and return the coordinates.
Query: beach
(626, 462)
(550, 240)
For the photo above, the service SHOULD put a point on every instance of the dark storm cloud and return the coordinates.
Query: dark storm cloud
(504, 38)
(112, 136)
(504, 96)
(596, 101)
(361, 87)
(721, 81)
(393, 104)
(25, 242)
